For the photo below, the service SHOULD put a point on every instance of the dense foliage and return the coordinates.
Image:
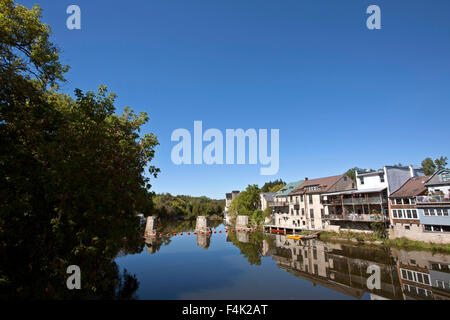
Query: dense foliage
(430, 166)
(168, 206)
(71, 169)
(252, 247)
(273, 186)
(248, 203)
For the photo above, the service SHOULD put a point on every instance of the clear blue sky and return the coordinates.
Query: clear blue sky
(341, 95)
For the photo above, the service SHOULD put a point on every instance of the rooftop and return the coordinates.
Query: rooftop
(413, 187)
(324, 184)
(288, 188)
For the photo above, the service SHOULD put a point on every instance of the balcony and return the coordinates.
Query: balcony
(433, 199)
(356, 217)
(278, 204)
(356, 201)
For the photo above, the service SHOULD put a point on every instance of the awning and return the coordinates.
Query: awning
(373, 190)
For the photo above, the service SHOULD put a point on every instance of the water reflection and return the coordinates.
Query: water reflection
(350, 269)
(129, 263)
(353, 270)
(38, 268)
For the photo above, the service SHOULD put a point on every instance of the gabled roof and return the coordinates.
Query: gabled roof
(268, 195)
(430, 181)
(288, 188)
(414, 186)
(324, 184)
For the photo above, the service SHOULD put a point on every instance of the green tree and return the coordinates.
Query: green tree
(271, 184)
(441, 163)
(430, 166)
(247, 201)
(71, 169)
(277, 187)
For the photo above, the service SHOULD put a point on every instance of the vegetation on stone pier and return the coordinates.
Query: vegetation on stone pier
(248, 202)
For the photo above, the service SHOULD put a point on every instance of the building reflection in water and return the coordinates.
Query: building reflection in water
(423, 275)
(355, 270)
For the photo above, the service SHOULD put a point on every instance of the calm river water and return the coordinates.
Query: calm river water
(254, 265)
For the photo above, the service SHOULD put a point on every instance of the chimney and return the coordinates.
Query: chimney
(411, 171)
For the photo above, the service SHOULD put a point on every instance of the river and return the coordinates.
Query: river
(257, 265)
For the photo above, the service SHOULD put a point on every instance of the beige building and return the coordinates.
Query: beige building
(307, 209)
(281, 205)
(265, 198)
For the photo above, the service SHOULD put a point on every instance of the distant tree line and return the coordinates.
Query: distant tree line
(167, 206)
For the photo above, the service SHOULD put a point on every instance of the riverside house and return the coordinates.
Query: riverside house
(308, 200)
(358, 208)
(434, 208)
(420, 209)
(265, 198)
(403, 211)
(282, 215)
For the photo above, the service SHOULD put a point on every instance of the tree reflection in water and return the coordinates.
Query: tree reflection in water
(36, 269)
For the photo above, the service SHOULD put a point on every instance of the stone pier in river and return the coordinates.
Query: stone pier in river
(150, 227)
(202, 224)
(241, 221)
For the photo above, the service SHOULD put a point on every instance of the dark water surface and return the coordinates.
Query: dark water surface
(254, 265)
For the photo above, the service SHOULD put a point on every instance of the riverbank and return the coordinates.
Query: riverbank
(373, 239)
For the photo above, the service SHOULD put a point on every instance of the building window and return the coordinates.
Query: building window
(311, 213)
(407, 228)
(362, 180)
(382, 178)
(409, 214)
(303, 211)
(446, 212)
(426, 212)
(301, 198)
(310, 199)
(394, 213)
(440, 212)
(398, 201)
(414, 213)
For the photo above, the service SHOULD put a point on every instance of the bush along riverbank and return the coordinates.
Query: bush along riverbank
(375, 239)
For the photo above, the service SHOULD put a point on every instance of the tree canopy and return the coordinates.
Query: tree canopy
(175, 207)
(430, 166)
(273, 185)
(72, 170)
